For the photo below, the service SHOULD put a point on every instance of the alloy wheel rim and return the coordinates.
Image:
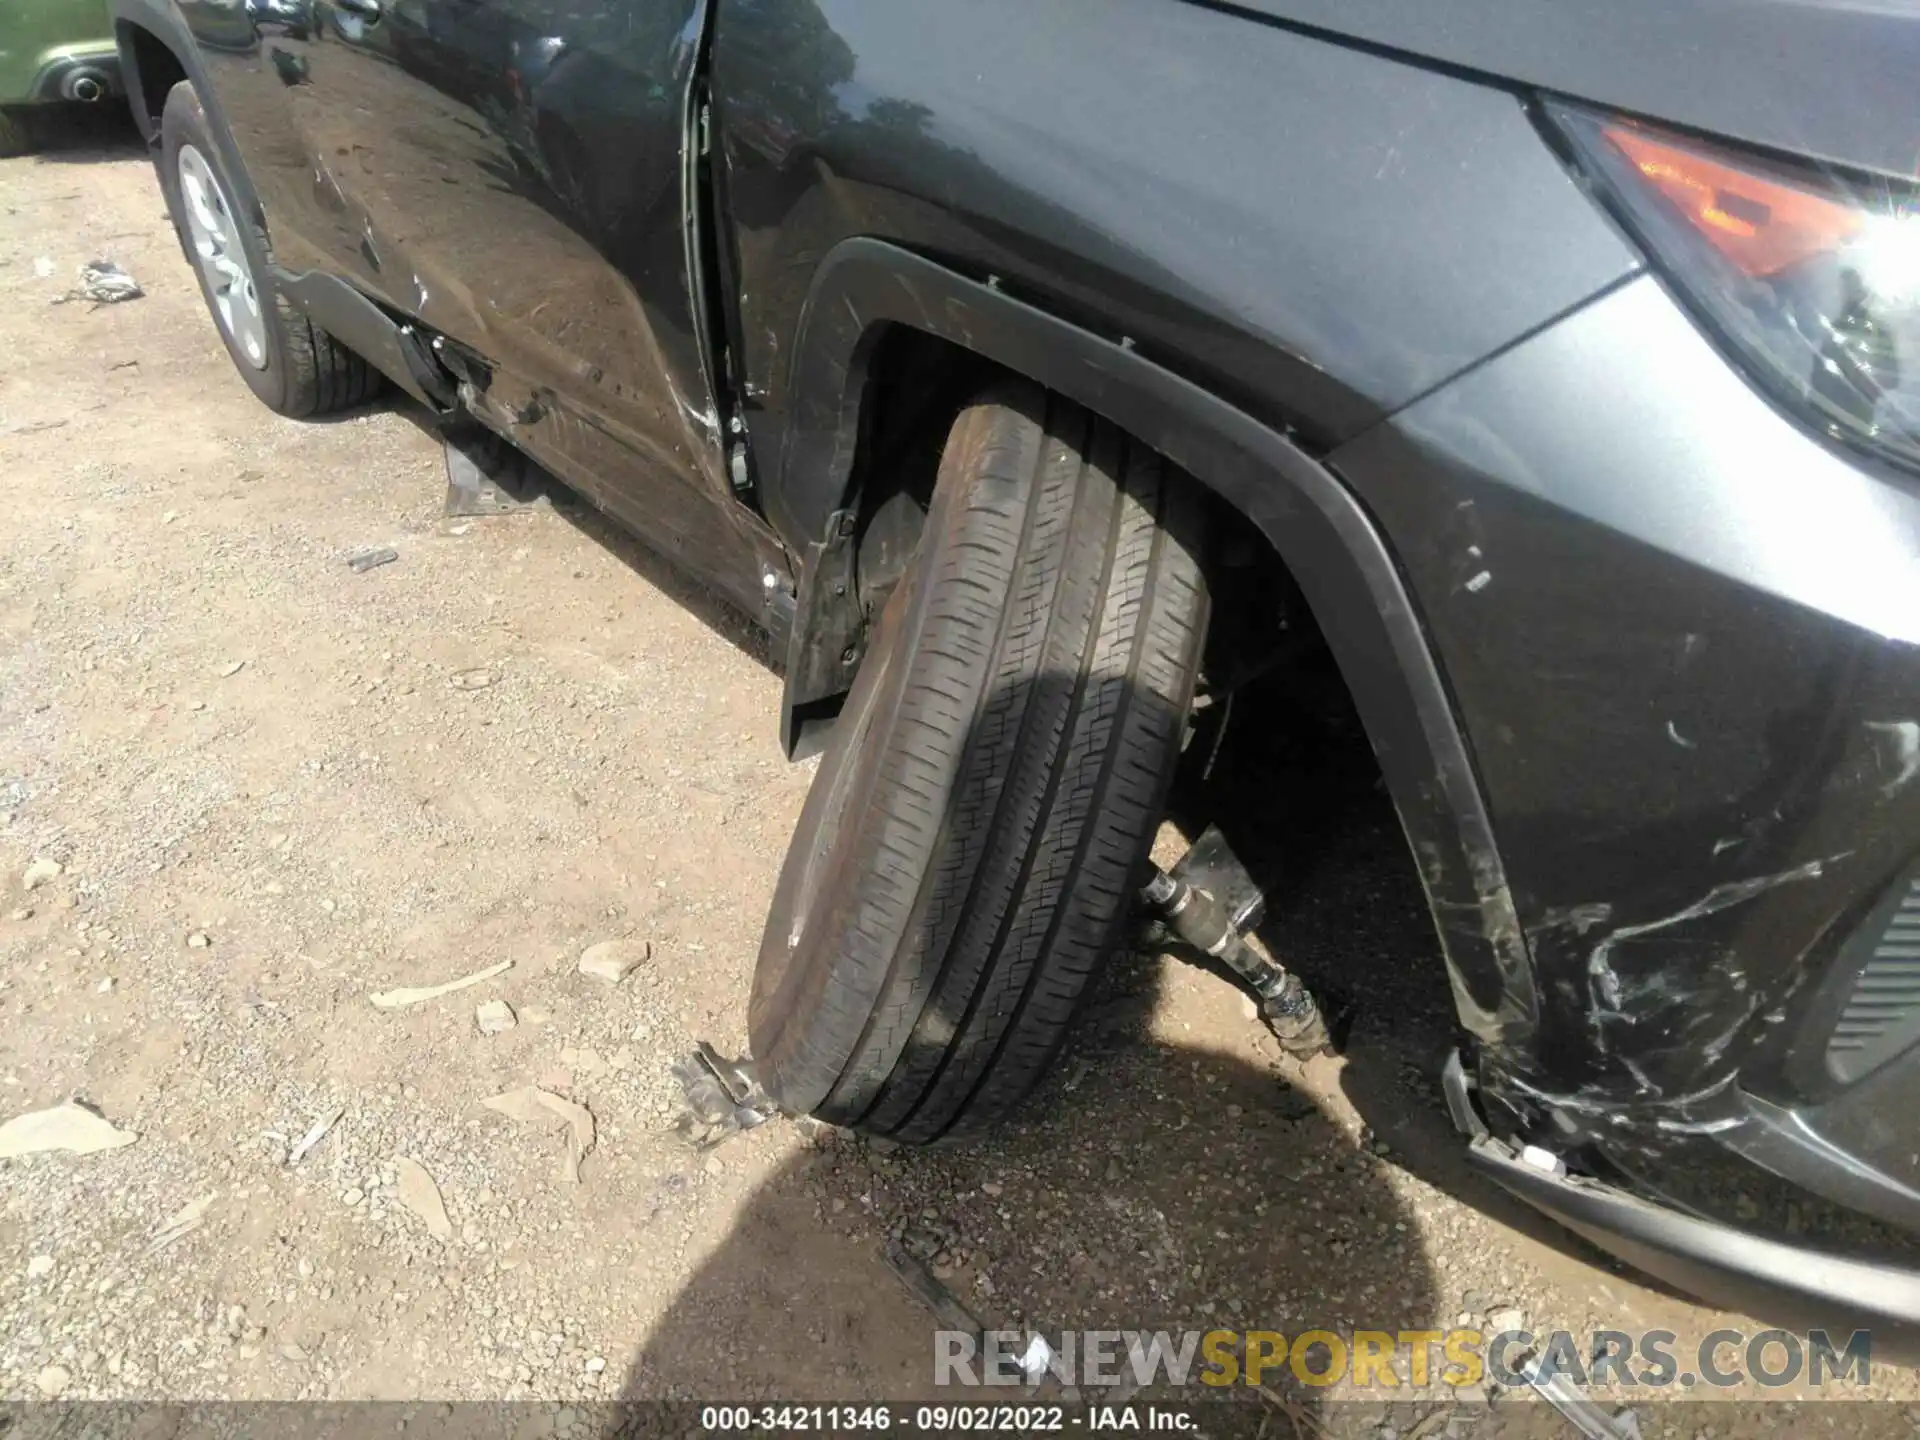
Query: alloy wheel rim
(215, 233)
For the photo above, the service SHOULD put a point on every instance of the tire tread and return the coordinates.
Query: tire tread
(1018, 774)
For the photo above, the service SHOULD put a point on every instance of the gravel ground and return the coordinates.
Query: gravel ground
(274, 787)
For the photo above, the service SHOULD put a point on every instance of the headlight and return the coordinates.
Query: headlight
(1811, 277)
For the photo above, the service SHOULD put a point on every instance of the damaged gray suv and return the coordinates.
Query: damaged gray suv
(1026, 368)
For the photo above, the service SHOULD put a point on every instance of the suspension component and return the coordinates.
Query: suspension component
(1196, 917)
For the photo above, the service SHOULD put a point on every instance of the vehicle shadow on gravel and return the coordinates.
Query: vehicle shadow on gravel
(709, 607)
(1165, 1175)
(537, 486)
(84, 134)
(1145, 1186)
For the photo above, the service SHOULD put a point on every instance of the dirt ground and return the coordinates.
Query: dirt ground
(275, 787)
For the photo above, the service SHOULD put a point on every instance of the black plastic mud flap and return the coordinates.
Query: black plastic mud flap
(828, 638)
(488, 476)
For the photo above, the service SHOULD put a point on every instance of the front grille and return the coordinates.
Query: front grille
(1882, 1015)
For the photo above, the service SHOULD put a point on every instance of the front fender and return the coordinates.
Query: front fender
(158, 22)
(1326, 539)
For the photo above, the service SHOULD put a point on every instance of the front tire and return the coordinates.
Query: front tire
(294, 366)
(970, 847)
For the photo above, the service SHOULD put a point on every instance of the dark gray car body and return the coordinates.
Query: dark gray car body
(1636, 650)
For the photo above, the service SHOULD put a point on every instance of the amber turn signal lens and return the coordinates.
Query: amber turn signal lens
(1808, 275)
(1760, 224)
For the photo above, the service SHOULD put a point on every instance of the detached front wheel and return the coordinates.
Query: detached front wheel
(969, 850)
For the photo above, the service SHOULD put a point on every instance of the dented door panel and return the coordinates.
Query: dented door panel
(509, 172)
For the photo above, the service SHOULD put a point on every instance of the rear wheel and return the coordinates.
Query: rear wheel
(288, 361)
(971, 844)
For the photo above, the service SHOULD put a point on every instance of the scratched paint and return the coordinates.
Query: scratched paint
(1605, 982)
(1901, 740)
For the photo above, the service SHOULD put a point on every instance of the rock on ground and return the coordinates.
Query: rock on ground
(613, 960)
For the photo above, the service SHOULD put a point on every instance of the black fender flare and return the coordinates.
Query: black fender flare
(1325, 537)
(162, 21)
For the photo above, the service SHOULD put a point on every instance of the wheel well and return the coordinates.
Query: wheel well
(1264, 646)
(1278, 759)
(918, 384)
(156, 71)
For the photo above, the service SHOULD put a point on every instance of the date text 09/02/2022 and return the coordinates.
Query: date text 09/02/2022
(941, 1419)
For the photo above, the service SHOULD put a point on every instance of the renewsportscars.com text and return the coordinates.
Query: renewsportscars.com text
(1388, 1359)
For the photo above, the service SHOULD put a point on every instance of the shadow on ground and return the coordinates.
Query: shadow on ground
(1147, 1186)
(1159, 1178)
(69, 134)
(527, 482)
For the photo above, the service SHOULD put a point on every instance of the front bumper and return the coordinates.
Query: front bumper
(1743, 1271)
(1682, 634)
